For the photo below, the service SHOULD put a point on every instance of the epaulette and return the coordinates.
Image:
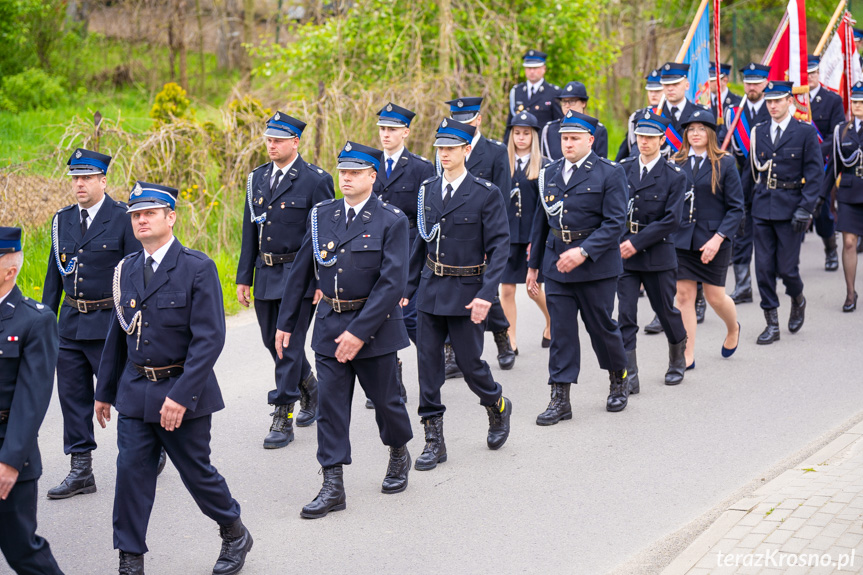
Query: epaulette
(417, 156)
(607, 161)
(673, 165)
(261, 166)
(626, 160)
(120, 204)
(40, 307)
(598, 123)
(61, 210)
(554, 162)
(555, 86)
(195, 253)
(481, 181)
(325, 202)
(550, 122)
(431, 179)
(314, 168)
(499, 143)
(391, 208)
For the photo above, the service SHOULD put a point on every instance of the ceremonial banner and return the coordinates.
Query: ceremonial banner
(698, 58)
(840, 64)
(789, 59)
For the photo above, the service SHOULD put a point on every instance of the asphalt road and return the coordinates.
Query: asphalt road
(584, 496)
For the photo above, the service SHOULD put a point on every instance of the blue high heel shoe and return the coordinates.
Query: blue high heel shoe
(729, 352)
(691, 365)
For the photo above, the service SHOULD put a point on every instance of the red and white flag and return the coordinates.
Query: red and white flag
(789, 59)
(840, 64)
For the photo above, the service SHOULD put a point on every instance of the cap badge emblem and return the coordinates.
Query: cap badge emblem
(770, 85)
(752, 66)
(389, 107)
(78, 154)
(443, 124)
(647, 115)
(459, 103)
(348, 147)
(524, 116)
(276, 117)
(668, 66)
(137, 190)
(530, 53)
(569, 88)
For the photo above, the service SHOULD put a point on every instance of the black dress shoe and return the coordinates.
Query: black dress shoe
(618, 391)
(505, 354)
(163, 460)
(308, 401)
(771, 332)
(559, 408)
(282, 429)
(80, 479)
(435, 449)
(676, 363)
(451, 369)
(798, 313)
(498, 422)
(850, 305)
(396, 479)
(331, 496)
(700, 305)
(743, 284)
(131, 564)
(831, 255)
(654, 326)
(236, 543)
(369, 404)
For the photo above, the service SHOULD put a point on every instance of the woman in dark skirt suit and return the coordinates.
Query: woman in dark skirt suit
(711, 215)
(847, 168)
(525, 160)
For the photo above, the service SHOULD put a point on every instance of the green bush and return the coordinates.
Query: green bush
(171, 103)
(32, 89)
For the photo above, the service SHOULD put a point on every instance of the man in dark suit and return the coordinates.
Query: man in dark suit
(573, 97)
(535, 95)
(157, 371)
(279, 196)
(828, 112)
(28, 354)
(784, 182)
(656, 190)
(653, 88)
(455, 269)
(88, 240)
(576, 239)
(754, 113)
(398, 181)
(359, 248)
(488, 160)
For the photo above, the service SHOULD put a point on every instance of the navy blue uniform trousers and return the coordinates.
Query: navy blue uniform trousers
(595, 301)
(188, 446)
(26, 552)
(467, 341)
(293, 367)
(77, 364)
(377, 376)
(741, 245)
(777, 254)
(660, 288)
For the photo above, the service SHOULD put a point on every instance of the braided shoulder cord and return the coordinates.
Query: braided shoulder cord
(318, 257)
(73, 263)
(255, 219)
(757, 166)
(129, 327)
(557, 208)
(437, 164)
(855, 158)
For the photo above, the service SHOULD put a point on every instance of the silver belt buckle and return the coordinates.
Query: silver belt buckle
(268, 259)
(858, 171)
(633, 227)
(566, 236)
(438, 269)
(82, 305)
(150, 373)
(771, 183)
(337, 305)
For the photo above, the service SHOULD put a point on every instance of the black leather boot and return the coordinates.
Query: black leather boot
(80, 479)
(798, 312)
(498, 422)
(308, 401)
(131, 564)
(396, 479)
(654, 326)
(559, 408)
(618, 391)
(676, 363)
(700, 305)
(236, 543)
(742, 284)
(331, 497)
(282, 429)
(451, 370)
(831, 256)
(163, 460)
(435, 449)
(771, 332)
(632, 372)
(505, 354)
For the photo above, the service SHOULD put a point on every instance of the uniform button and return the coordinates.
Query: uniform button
(340, 270)
(143, 306)
(80, 251)
(371, 337)
(637, 197)
(341, 290)
(1, 352)
(146, 324)
(635, 209)
(269, 207)
(388, 316)
(443, 237)
(774, 154)
(342, 250)
(104, 247)
(443, 219)
(80, 279)
(269, 239)
(268, 223)
(172, 303)
(80, 294)
(365, 245)
(442, 255)
(565, 195)
(147, 362)
(80, 265)
(566, 211)
(146, 342)
(194, 398)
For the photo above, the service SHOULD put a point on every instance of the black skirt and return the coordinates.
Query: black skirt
(689, 266)
(516, 266)
(849, 218)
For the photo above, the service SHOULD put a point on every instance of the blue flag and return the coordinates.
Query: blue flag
(698, 58)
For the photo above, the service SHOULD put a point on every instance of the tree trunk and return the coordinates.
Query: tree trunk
(248, 37)
(202, 73)
(445, 40)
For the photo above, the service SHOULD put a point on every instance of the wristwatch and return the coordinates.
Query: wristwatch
(583, 251)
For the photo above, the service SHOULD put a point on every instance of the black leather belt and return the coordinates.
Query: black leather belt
(567, 235)
(276, 259)
(85, 306)
(634, 227)
(773, 184)
(857, 171)
(4, 416)
(440, 269)
(157, 373)
(340, 305)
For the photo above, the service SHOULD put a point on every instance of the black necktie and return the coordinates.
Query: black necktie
(276, 181)
(674, 112)
(521, 164)
(351, 214)
(448, 195)
(84, 216)
(148, 270)
(778, 135)
(643, 172)
(696, 165)
(860, 128)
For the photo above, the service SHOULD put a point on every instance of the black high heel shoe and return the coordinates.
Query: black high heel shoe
(850, 305)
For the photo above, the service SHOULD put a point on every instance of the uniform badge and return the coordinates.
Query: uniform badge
(459, 104)
(530, 53)
(12, 338)
(78, 154)
(524, 116)
(348, 147)
(324, 254)
(542, 88)
(63, 258)
(137, 190)
(276, 117)
(696, 114)
(331, 245)
(389, 107)
(537, 106)
(260, 201)
(40, 306)
(132, 304)
(283, 205)
(443, 124)
(751, 66)
(646, 115)
(668, 66)
(569, 88)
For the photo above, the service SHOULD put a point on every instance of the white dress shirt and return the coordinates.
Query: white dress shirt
(568, 168)
(284, 170)
(783, 125)
(91, 211)
(159, 254)
(455, 184)
(357, 208)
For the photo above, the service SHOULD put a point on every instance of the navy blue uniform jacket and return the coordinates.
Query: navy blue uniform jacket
(287, 210)
(474, 230)
(657, 206)
(543, 104)
(521, 222)
(108, 240)
(796, 157)
(401, 188)
(594, 198)
(28, 354)
(720, 212)
(850, 189)
(183, 322)
(827, 113)
(372, 263)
